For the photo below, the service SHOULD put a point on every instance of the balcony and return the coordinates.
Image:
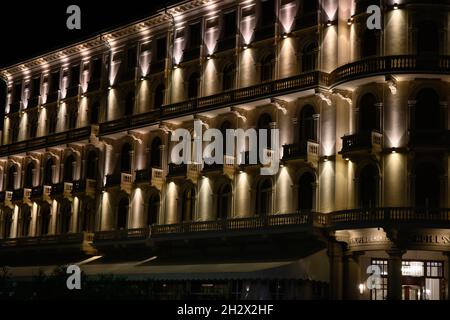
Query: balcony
(406, 64)
(154, 176)
(57, 190)
(45, 142)
(55, 241)
(33, 102)
(187, 171)
(52, 97)
(27, 195)
(126, 235)
(126, 182)
(226, 43)
(84, 187)
(362, 143)
(265, 32)
(246, 160)
(308, 152)
(112, 180)
(225, 99)
(36, 193)
(438, 140)
(228, 167)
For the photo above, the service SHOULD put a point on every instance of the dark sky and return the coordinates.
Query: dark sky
(32, 28)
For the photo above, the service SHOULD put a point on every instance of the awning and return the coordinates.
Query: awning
(314, 267)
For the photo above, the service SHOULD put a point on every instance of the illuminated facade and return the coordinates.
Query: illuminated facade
(364, 124)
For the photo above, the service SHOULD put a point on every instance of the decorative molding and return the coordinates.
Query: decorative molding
(239, 114)
(323, 97)
(281, 105)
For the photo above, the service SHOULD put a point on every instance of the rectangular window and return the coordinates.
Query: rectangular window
(229, 24)
(75, 76)
(54, 82)
(36, 89)
(161, 49)
(435, 269)
(381, 292)
(267, 12)
(17, 92)
(96, 69)
(131, 58)
(195, 35)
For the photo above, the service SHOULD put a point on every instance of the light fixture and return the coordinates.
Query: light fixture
(285, 35)
(82, 96)
(109, 87)
(325, 159)
(394, 151)
(142, 78)
(350, 21)
(395, 6)
(245, 46)
(176, 66)
(361, 288)
(208, 57)
(347, 159)
(329, 23)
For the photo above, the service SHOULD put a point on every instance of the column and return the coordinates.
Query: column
(448, 274)
(335, 255)
(395, 274)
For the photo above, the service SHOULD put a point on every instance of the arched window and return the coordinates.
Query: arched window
(45, 221)
(48, 172)
(65, 218)
(68, 168)
(155, 155)
(193, 83)
(428, 38)
(369, 44)
(307, 130)
(368, 114)
(224, 201)
(427, 186)
(228, 77)
(28, 183)
(426, 115)
(7, 224)
(94, 112)
(11, 182)
(264, 197)
(264, 122)
(129, 104)
(122, 214)
(188, 204)
(306, 192)
(125, 158)
(368, 187)
(91, 165)
(267, 68)
(26, 221)
(153, 209)
(159, 97)
(309, 57)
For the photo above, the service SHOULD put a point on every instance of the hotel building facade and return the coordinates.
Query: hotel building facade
(361, 193)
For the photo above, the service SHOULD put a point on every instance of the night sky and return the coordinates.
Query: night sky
(33, 28)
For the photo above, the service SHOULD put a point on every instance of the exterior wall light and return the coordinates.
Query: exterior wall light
(329, 23)
(109, 87)
(395, 7)
(350, 21)
(285, 35)
(176, 66)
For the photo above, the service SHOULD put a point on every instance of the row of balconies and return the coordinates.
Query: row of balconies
(277, 223)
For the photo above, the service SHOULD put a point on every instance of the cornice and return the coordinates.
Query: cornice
(98, 41)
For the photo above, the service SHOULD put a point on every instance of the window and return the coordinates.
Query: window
(223, 129)
(224, 202)
(28, 184)
(72, 116)
(122, 214)
(368, 187)
(229, 24)
(264, 123)
(15, 129)
(132, 58)
(369, 43)
(159, 96)
(129, 103)
(75, 76)
(26, 221)
(54, 82)
(193, 83)
(52, 121)
(428, 38)
(267, 68)
(68, 168)
(45, 220)
(309, 57)
(228, 77)
(306, 193)
(188, 204)
(195, 35)
(310, 6)
(380, 293)
(125, 159)
(17, 97)
(88, 216)
(65, 218)
(7, 224)
(307, 131)
(267, 12)
(155, 155)
(264, 197)
(161, 49)
(33, 124)
(368, 115)
(427, 186)
(94, 112)
(426, 113)
(48, 172)
(96, 69)
(12, 174)
(91, 165)
(153, 210)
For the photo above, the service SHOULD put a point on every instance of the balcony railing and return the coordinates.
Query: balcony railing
(45, 142)
(228, 98)
(361, 141)
(52, 97)
(37, 192)
(72, 91)
(122, 235)
(63, 239)
(57, 189)
(390, 65)
(112, 180)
